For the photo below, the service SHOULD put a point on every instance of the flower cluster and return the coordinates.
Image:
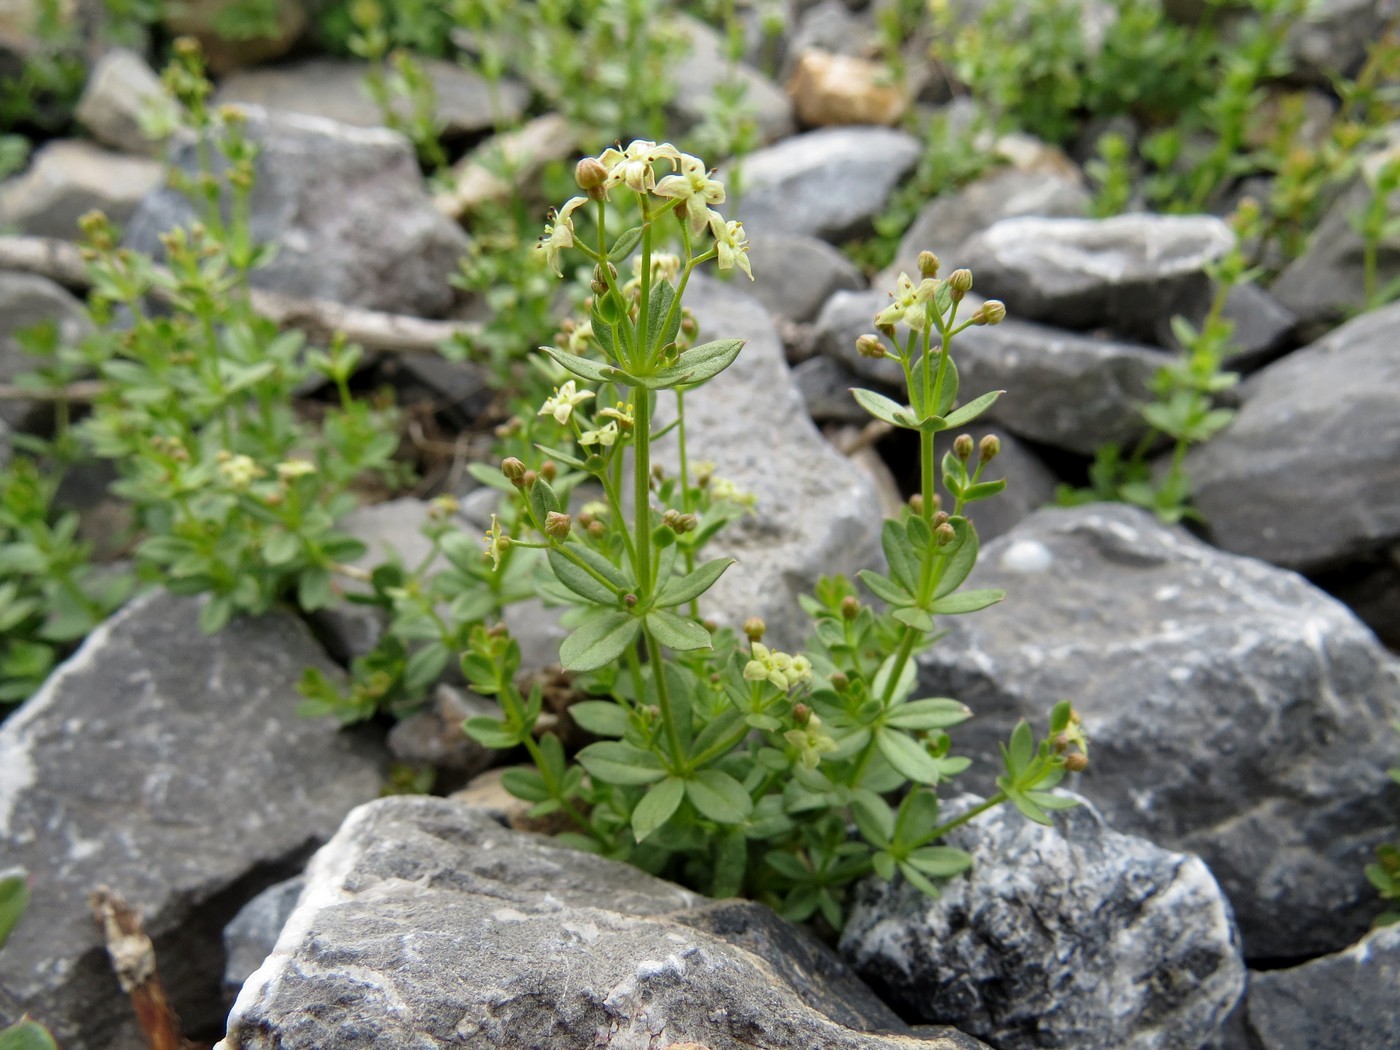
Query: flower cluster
(781, 669)
(690, 188)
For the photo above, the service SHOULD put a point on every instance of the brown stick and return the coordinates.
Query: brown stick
(62, 261)
(134, 962)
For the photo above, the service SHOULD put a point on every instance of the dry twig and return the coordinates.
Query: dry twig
(134, 962)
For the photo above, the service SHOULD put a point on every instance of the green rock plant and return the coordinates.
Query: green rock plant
(723, 762)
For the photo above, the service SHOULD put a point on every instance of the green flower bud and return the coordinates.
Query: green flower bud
(1077, 762)
(850, 607)
(962, 447)
(754, 628)
(514, 470)
(548, 470)
(993, 311)
(557, 525)
(928, 264)
(944, 534)
(960, 281)
(989, 447)
(590, 174)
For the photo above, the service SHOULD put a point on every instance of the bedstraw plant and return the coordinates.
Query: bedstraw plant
(722, 761)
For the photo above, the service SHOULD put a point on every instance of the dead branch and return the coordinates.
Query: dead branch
(63, 262)
(134, 962)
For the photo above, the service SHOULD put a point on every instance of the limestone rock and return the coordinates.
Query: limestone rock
(426, 924)
(829, 89)
(815, 511)
(705, 67)
(476, 178)
(1347, 999)
(333, 88)
(120, 88)
(253, 933)
(346, 208)
(66, 179)
(1234, 711)
(1130, 273)
(173, 767)
(828, 183)
(27, 300)
(1073, 935)
(794, 276)
(1330, 403)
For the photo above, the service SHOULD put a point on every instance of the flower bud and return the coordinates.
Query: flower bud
(1077, 762)
(928, 264)
(754, 628)
(962, 447)
(801, 714)
(850, 607)
(597, 529)
(548, 470)
(590, 174)
(629, 600)
(989, 447)
(870, 346)
(939, 518)
(839, 681)
(513, 469)
(916, 504)
(960, 281)
(527, 480)
(557, 525)
(993, 311)
(945, 534)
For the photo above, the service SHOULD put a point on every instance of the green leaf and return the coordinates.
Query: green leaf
(613, 762)
(915, 618)
(719, 796)
(657, 806)
(424, 667)
(930, 713)
(677, 632)
(578, 579)
(602, 637)
(25, 1034)
(907, 755)
(873, 817)
(695, 365)
(731, 861)
(881, 686)
(941, 862)
(602, 566)
(885, 588)
(918, 879)
(491, 732)
(970, 411)
(525, 784)
(680, 589)
(1021, 748)
(314, 589)
(961, 558)
(543, 500)
(14, 898)
(582, 367)
(884, 408)
(1028, 808)
(904, 567)
(281, 547)
(966, 602)
(216, 613)
(599, 717)
(982, 490)
(884, 865)
(1046, 800)
(626, 242)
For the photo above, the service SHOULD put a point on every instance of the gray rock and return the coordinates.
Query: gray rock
(1334, 36)
(815, 513)
(226, 52)
(825, 384)
(346, 209)
(1370, 588)
(1327, 282)
(1130, 273)
(1234, 711)
(1263, 326)
(948, 220)
(1334, 399)
(794, 276)
(444, 929)
(829, 183)
(1074, 935)
(705, 67)
(1066, 389)
(251, 936)
(1342, 1000)
(68, 178)
(334, 88)
(831, 26)
(120, 88)
(433, 737)
(27, 300)
(173, 767)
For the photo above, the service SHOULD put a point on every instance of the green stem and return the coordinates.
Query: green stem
(663, 700)
(975, 811)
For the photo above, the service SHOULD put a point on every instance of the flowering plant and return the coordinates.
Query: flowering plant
(719, 760)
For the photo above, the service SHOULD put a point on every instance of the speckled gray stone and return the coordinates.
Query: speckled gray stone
(426, 924)
(173, 767)
(1072, 935)
(1234, 710)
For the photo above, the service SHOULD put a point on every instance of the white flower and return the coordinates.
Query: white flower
(632, 167)
(909, 303)
(695, 187)
(563, 403)
(731, 243)
(559, 234)
(605, 435)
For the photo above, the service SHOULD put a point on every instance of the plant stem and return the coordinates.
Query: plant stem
(975, 811)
